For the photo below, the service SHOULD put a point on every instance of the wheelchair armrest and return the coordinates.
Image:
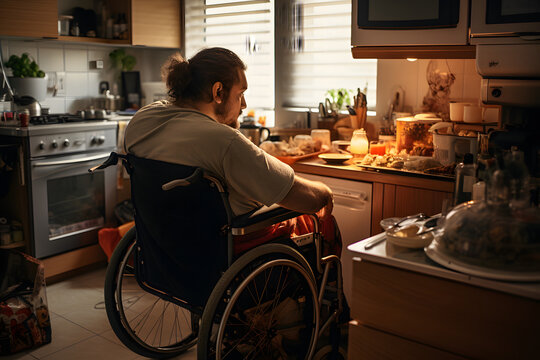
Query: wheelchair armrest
(263, 217)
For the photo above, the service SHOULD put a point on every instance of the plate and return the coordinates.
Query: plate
(488, 273)
(289, 160)
(335, 158)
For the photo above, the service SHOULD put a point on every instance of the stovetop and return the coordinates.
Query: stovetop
(57, 119)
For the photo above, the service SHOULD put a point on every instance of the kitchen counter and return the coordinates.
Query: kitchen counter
(408, 307)
(393, 194)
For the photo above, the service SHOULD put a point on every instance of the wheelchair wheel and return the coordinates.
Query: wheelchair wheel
(265, 306)
(145, 323)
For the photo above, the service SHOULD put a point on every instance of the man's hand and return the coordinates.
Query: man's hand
(326, 211)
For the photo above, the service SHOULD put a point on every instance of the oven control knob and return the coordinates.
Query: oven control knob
(54, 144)
(98, 140)
(66, 142)
(41, 145)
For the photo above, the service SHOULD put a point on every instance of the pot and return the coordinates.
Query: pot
(256, 134)
(22, 103)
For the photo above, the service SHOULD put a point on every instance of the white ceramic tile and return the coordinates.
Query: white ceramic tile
(76, 60)
(23, 355)
(56, 105)
(457, 66)
(73, 104)
(51, 59)
(93, 348)
(92, 318)
(21, 47)
(94, 78)
(76, 84)
(470, 66)
(456, 90)
(64, 300)
(100, 54)
(5, 49)
(471, 86)
(64, 333)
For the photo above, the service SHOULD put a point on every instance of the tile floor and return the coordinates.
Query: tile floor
(80, 329)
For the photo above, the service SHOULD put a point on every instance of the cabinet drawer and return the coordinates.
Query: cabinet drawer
(458, 318)
(370, 344)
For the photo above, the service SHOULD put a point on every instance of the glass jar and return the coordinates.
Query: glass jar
(359, 143)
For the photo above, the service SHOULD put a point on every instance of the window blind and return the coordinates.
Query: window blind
(315, 53)
(245, 27)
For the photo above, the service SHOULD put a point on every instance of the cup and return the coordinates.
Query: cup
(472, 114)
(323, 135)
(457, 110)
(340, 145)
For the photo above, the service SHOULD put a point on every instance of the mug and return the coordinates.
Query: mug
(472, 114)
(456, 110)
(257, 134)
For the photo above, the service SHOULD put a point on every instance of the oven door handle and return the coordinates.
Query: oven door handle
(72, 161)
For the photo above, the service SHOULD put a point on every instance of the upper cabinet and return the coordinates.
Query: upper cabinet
(30, 18)
(395, 29)
(154, 23)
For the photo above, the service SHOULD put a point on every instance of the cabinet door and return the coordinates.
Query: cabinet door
(411, 200)
(156, 23)
(31, 18)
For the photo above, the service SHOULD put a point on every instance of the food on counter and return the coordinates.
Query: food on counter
(300, 145)
(468, 133)
(413, 136)
(442, 170)
(421, 150)
(386, 160)
(420, 163)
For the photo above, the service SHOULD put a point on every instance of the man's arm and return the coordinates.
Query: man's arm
(308, 196)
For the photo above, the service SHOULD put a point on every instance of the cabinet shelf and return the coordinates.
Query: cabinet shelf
(13, 245)
(81, 39)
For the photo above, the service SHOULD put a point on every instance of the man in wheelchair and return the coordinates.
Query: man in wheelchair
(270, 300)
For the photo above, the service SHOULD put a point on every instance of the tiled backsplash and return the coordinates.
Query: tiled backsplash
(411, 77)
(81, 82)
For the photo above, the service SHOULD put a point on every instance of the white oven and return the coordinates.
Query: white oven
(412, 22)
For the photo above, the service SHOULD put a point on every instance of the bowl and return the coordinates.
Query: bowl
(335, 158)
(406, 236)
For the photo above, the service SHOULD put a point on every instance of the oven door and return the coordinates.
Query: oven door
(70, 204)
(505, 21)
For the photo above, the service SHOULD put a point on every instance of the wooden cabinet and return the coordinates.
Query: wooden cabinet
(31, 18)
(152, 23)
(156, 23)
(406, 314)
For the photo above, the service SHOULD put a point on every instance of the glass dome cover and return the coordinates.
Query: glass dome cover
(494, 236)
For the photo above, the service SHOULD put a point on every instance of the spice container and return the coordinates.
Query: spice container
(63, 24)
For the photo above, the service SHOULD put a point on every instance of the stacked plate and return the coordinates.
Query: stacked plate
(410, 233)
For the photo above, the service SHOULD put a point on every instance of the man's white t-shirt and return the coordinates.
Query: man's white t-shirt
(165, 132)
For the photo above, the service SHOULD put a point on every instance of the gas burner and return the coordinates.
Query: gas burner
(55, 119)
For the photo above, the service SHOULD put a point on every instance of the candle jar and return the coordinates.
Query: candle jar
(359, 144)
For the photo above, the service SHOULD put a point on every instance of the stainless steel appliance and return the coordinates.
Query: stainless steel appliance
(257, 134)
(67, 204)
(420, 22)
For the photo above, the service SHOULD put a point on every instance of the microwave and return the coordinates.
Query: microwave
(410, 23)
(505, 21)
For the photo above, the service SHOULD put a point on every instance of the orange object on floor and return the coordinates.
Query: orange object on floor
(108, 238)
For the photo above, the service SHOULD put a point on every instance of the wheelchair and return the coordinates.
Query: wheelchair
(175, 279)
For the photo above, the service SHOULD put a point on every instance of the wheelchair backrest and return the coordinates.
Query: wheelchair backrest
(181, 232)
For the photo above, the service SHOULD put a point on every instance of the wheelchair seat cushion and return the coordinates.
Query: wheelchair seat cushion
(179, 232)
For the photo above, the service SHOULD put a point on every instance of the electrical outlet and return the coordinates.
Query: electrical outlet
(60, 83)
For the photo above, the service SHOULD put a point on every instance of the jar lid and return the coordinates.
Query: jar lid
(359, 131)
(65, 17)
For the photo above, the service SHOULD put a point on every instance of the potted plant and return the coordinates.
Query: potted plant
(339, 97)
(27, 79)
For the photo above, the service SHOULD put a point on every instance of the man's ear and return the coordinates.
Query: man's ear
(217, 92)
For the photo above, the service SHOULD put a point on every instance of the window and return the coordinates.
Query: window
(314, 51)
(245, 27)
(309, 48)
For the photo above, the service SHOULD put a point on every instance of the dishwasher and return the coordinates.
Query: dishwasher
(352, 210)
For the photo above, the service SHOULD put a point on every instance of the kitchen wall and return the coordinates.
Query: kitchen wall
(411, 77)
(81, 82)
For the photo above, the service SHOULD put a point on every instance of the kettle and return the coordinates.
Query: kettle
(22, 103)
(256, 134)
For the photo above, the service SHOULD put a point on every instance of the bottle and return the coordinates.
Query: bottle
(359, 144)
(465, 178)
